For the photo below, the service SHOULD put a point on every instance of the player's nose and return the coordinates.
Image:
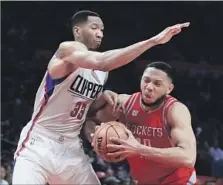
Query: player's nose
(149, 87)
(99, 34)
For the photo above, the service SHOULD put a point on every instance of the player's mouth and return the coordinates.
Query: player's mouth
(98, 41)
(148, 97)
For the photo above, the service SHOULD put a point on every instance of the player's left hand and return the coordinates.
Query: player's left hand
(93, 134)
(169, 32)
(111, 97)
(124, 148)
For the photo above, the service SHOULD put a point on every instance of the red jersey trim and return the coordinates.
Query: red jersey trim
(130, 102)
(43, 104)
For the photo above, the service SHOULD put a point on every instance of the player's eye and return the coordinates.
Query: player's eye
(146, 80)
(158, 84)
(94, 26)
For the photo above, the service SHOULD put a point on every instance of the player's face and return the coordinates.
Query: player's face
(155, 84)
(92, 32)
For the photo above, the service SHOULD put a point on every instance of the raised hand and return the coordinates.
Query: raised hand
(169, 32)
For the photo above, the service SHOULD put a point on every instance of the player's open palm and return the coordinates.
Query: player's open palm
(169, 32)
(123, 148)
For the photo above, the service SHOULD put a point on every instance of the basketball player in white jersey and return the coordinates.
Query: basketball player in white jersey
(49, 149)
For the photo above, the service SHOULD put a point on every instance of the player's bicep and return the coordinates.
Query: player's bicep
(184, 138)
(59, 68)
(82, 57)
(182, 134)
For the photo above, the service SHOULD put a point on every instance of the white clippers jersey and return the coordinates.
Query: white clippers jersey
(61, 105)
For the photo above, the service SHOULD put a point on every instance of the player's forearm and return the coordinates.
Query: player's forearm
(176, 156)
(97, 105)
(89, 128)
(119, 57)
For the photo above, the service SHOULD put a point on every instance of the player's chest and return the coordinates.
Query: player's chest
(86, 85)
(148, 130)
(145, 125)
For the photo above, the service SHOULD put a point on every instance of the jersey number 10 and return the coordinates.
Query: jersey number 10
(78, 110)
(146, 142)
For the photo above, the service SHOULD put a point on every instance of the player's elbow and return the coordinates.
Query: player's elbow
(105, 68)
(188, 162)
(89, 128)
(187, 158)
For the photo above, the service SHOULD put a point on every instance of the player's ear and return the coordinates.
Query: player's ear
(76, 30)
(170, 88)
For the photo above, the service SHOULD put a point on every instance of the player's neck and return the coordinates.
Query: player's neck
(152, 107)
(81, 41)
(149, 109)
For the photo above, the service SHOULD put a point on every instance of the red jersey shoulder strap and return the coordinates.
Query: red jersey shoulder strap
(130, 102)
(168, 104)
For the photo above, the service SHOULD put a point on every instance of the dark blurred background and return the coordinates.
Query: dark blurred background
(32, 31)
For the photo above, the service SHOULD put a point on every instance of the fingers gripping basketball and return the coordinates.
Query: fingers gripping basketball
(103, 135)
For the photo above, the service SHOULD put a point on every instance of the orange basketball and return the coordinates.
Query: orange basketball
(103, 135)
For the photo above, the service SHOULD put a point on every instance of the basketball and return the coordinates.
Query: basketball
(103, 135)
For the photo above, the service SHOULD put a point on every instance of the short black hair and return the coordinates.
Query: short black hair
(81, 17)
(163, 66)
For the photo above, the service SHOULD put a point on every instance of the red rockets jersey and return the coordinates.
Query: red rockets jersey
(152, 129)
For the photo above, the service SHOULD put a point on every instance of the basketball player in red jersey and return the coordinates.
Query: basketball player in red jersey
(161, 148)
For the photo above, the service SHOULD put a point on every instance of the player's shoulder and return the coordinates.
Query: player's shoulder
(179, 115)
(178, 109)
(127, 100)
(71, 45)
(123, 98)
(134, 96)
(179, 106)
(174, 102)
(173, 106)
(171, 99)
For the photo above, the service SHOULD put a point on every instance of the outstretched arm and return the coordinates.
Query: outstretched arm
(72, 55)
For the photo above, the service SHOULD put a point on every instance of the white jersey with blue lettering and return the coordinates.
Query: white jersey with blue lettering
(61, 105)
